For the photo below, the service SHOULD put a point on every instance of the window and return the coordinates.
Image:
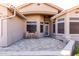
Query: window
(74, 27)
(61, 28)
(31, 27)
(46, 22)
(54, 28)
(41, 27)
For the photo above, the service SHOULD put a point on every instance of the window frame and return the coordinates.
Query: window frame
(41, 24)
(31, 23)
(54, 28)
(61, 20)
(73, 20)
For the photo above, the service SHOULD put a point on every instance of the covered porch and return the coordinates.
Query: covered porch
(38, 26)
(38, 23)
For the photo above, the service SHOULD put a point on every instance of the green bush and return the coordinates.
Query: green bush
(77, 52)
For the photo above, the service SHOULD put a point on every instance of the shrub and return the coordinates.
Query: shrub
(77, 52)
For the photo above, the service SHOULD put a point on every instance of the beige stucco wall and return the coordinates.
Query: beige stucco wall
(15, 29)
(11, 29)
(74, 14)
(41, 8)
(3, 26)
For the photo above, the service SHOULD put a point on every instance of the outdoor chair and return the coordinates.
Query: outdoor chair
(36, 35)
(27, 35)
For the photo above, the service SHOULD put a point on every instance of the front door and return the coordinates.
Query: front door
(46, 32)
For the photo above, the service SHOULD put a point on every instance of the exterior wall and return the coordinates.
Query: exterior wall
(11, 30)
(41, 7)
(15, 29)
(73, 14)
(3, 26)
(67, 34)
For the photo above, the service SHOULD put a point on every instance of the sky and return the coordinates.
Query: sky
(65, 4)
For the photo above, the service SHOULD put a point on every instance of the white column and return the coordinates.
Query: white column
(67, 27)
(38, 28)
(56, 28)
(51, 28)
(0, 29)
(3, 40)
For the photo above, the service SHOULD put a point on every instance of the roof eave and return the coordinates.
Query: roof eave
(52, 5)
(49, 4)
(58, 15)
(17, 12)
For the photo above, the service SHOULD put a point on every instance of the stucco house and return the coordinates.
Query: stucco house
(39, 17)
(36, 20)
(66, 24)
(33, 19)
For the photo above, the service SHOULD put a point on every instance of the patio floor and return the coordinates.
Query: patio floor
(42, 44)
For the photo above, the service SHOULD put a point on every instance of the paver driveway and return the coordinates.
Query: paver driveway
(42, 44)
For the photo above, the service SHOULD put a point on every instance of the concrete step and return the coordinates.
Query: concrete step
(30, 53)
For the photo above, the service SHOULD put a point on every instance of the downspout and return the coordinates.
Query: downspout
(14, 14)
